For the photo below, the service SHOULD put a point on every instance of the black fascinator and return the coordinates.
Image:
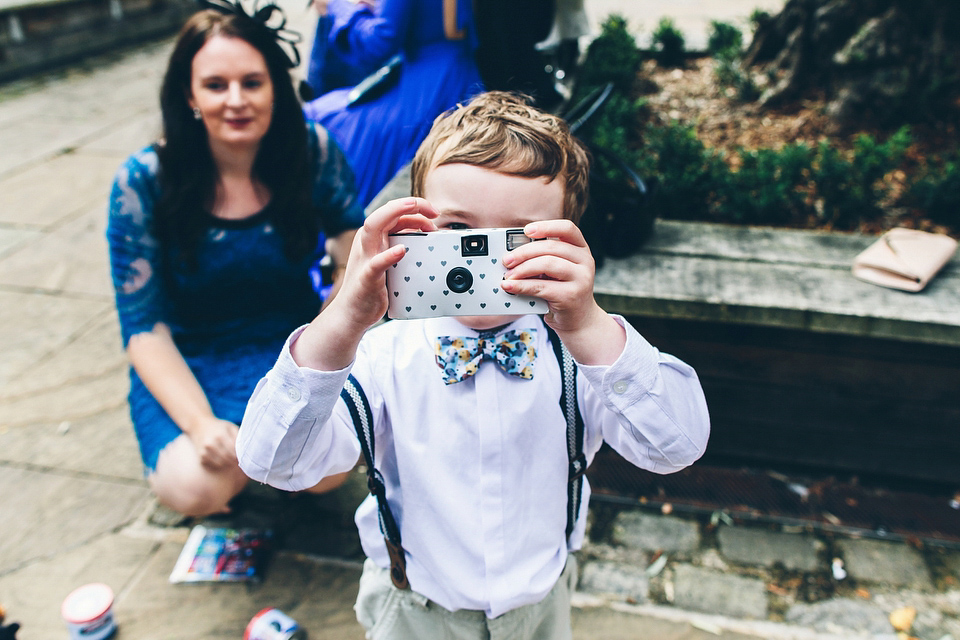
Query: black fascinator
(270, 17)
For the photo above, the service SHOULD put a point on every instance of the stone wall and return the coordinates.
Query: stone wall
(40, 34)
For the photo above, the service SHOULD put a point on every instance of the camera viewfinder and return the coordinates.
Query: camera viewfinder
(473, 246)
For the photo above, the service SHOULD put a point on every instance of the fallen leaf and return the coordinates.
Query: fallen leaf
(902, 618)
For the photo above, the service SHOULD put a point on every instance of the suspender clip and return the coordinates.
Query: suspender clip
(578, 466)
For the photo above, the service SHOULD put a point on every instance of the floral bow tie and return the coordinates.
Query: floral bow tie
(459, 357)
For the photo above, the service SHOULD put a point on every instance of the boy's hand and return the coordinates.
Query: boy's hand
(330, 342)
(364, 281)
(560, 269)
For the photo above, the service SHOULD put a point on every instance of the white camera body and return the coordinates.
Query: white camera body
(455, 272)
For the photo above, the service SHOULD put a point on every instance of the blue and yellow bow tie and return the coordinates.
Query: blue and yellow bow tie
(459, 357)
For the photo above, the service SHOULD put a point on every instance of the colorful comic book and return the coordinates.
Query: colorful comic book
(221, 554)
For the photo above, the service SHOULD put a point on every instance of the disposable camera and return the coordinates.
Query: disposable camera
(455, 272)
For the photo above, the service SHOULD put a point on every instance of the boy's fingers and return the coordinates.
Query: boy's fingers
(414, 222)
(561, 229)
(542, 269)
(386, 217)
(386, 259)
(546, 248)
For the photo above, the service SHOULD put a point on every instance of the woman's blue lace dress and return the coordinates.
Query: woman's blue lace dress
(230, 315)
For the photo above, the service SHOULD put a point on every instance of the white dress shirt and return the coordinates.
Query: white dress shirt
(476, 471)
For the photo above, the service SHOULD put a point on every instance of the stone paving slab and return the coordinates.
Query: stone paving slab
(88, 397)
(128, 136)
(628, 582)
(19, 140)
(884, 562)
(48, 513)
(840, 615)
(11, 239)
(93, 350)
(768, 548)
(36, 325)
(650, 532)
(72, 258)
(55, 191)
(715, 592)
(102, 444)
(151, 608)
(32, 595)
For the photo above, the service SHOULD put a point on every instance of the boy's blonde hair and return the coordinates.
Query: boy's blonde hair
(501, 131)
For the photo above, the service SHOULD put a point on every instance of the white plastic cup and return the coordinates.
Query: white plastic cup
(88, 612)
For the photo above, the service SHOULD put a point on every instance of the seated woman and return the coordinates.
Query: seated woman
(380, 133)
(212, 232)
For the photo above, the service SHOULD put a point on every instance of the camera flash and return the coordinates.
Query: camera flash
(515, 238)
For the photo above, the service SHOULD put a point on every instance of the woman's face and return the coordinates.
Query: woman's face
(231, 86)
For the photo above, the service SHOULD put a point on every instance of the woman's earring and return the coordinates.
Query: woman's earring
(196, 113)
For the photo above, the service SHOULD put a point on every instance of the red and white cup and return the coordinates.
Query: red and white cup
(88, 612)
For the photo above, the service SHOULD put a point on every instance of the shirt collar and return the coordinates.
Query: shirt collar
(449, 326)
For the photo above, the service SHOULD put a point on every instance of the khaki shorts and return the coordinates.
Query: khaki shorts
(388, 613)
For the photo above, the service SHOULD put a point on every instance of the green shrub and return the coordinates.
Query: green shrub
(725, 44)
(687, 174)
(668, 44)
(758, 17)
(850, 190)
(729, 73)
(769, 186)
(936, 191)
(723, 39)
(613, 56)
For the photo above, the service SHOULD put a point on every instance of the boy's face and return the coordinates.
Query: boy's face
(471, 197)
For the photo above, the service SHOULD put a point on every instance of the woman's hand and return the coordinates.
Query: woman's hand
(216, 443)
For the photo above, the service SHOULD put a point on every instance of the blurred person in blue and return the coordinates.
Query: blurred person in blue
(383, 71)
(212, 232)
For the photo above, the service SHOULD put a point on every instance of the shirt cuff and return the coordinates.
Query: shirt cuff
(298, 383)
(632, 375)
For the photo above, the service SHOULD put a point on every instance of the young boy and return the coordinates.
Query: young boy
(476, 470)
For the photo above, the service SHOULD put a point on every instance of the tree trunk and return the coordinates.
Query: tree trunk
(878, 61)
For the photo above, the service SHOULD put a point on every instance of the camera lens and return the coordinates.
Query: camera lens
(459, 279)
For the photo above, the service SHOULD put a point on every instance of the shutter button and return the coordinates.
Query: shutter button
(293, 393)
(620, 386)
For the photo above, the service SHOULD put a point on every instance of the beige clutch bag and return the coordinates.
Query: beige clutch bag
(904, 258)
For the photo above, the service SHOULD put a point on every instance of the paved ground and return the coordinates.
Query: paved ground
(73, 506)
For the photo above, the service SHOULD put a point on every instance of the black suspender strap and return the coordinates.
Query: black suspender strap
(571, 412)
(352, 394)
(356, 401)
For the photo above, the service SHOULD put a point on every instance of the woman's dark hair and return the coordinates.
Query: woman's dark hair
(188, 176)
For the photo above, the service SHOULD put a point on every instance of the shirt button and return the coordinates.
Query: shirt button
(620, 386)
(293, 393)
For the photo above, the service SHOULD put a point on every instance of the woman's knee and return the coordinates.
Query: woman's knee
(183, 484)
(330, 483)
